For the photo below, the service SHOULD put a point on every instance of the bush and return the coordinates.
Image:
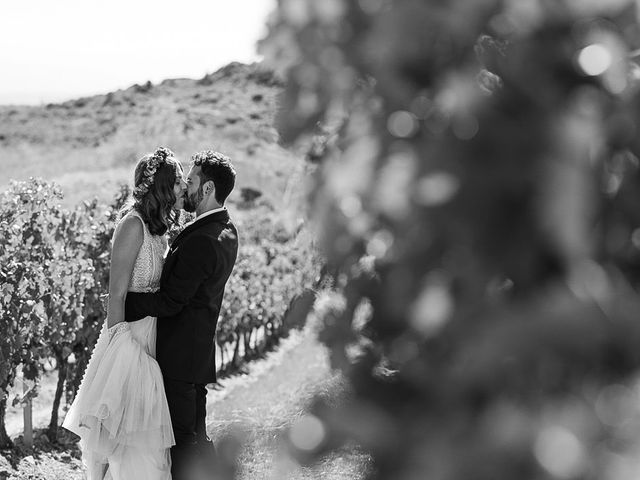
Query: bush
(266, 280)
(43, 282)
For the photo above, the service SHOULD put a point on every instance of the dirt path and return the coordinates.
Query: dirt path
(262, 403)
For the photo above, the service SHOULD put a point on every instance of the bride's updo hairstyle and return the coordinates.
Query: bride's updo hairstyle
(153, 195)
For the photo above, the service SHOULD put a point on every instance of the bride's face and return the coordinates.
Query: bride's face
(179, 189)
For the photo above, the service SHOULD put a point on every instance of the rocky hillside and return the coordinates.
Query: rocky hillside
(89, 145)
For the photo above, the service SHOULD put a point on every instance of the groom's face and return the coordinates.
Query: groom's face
(194, 194)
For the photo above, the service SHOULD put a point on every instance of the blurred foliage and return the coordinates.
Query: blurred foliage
(478, 198)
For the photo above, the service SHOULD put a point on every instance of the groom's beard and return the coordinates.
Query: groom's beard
(192, 201)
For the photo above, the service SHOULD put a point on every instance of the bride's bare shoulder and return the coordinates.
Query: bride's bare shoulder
(129, 232)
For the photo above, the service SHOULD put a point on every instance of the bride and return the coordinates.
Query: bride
(120, 411)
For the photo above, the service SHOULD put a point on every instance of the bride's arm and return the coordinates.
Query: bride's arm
(126, 245)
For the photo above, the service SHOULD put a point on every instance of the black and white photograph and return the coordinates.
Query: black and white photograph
(320, 240)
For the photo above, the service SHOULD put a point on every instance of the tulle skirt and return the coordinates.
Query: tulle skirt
(120, 411)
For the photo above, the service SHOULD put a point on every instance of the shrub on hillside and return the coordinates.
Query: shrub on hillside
(248, 197)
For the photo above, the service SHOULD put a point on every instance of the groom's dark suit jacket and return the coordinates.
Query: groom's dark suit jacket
(193, 279)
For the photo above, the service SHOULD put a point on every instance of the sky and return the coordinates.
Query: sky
(56, 50)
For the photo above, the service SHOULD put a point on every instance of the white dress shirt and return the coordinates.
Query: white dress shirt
(206, 214)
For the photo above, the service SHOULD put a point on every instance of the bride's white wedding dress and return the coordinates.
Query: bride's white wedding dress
(120, 411)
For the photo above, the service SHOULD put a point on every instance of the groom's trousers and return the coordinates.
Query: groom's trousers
(188, 409)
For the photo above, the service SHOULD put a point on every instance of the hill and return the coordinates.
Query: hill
(90, 145)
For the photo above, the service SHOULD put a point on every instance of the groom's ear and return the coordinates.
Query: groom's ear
(208, 187)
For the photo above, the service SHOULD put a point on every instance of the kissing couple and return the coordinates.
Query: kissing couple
(140, 411)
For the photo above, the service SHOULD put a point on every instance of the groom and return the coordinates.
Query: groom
(195, 272)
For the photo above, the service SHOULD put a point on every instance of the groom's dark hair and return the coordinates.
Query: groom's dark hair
(216, 167)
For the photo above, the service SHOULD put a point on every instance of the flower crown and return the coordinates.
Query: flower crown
(158, 158)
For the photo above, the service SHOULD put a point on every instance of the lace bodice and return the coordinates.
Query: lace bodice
(148, 267)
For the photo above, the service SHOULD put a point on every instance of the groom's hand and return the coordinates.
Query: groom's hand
(134, 307)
